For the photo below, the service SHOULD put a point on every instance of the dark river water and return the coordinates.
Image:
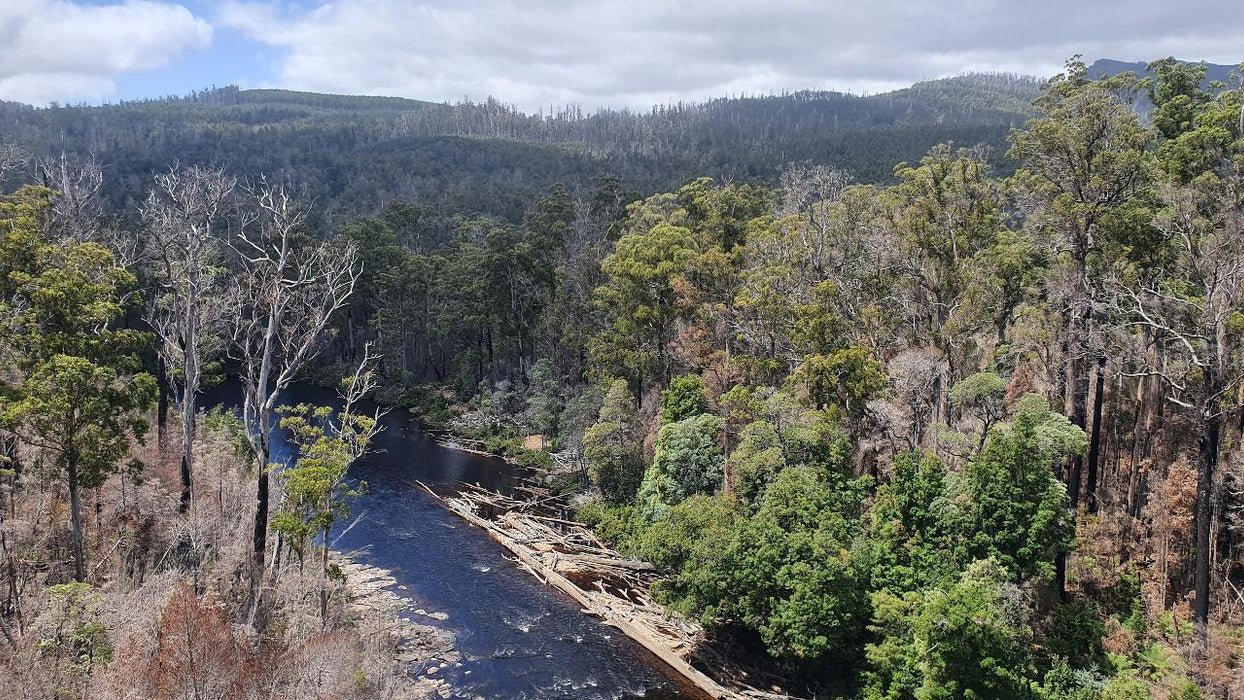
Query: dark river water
(517, 638)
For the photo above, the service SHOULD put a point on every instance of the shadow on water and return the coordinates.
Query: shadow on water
(517, 638)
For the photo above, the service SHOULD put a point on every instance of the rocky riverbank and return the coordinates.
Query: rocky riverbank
(421, 650)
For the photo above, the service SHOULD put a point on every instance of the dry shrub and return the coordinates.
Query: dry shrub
(1103, 544)
(325, 666)
(1119, 640)
(1170, 513)
(197, 655)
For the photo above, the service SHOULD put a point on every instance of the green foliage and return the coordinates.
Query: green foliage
(544, 405)
(535, 460)
(969, 640)
(693, 541)
(688, 461)
(79, 397)
(796, 578)
(1016, 510)
(612, 446)
(683, 399)
(914, 542)
(73, 627)
(490, 157)
(84, 414)
(982, 393)
(756, 460)
(617, 524)
(847, 380)
(781, 434)
(1126, 686)
(645, 275)
(315, 487)
(1062, 682)
(1076, 631)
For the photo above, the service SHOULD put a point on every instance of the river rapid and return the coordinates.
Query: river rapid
(516, 637)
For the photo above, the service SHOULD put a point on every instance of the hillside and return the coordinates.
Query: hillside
(1109, 66)
(355, 153)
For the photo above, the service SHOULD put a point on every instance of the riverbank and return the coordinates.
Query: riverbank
(419, 651)
(567, 555)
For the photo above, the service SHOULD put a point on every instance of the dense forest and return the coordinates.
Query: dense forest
(355, 154)
(966, 428)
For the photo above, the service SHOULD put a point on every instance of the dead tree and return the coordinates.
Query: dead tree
(1188, 305)
(287, 293)
(190, 312)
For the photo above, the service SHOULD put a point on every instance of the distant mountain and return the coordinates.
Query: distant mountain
(355, 153)
(1103, 67)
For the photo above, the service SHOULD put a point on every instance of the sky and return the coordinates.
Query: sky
(541, 54)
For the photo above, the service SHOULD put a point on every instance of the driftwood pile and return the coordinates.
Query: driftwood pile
(566, 555)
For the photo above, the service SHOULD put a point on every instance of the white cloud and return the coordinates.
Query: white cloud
(538, 53)
(65, 51)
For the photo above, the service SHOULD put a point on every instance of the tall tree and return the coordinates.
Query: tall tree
(190, 313)
(287, 294)
(79, 398)
(328, 443)
(1084, 165)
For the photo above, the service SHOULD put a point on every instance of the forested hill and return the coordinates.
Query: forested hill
(1108, 66)
(356, 153)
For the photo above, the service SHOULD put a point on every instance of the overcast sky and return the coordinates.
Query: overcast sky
(537, 53)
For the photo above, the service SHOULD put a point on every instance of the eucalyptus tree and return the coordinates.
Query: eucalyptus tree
(287, 293)
(328, 442)
(190, 311)
(1085, 166)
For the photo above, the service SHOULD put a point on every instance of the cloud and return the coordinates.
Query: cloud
(66, 51)
(538, 53)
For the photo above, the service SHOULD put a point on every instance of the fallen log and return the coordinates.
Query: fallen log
(645, 623)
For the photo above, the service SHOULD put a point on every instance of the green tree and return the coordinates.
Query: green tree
(846, 380)
(83, 415)
(1015, 510)
(974, 639)
(612, 446)
(688, 461)
(79, 398)
(316, 490)
(646, 274)
(693, 544)
(1086, 168)
(797, 581)
(981, 396)
(544, 404)
(913, 540)
(683, 399)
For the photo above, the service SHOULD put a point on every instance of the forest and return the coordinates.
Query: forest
(353, 155)
(967, 429)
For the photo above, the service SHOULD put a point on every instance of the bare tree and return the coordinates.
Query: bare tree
(76, 209)
(12, 160)
(288, 292)
(808, 192)
(190, 313)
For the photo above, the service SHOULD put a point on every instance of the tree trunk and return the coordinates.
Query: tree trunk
(161, 403)
(259, 541)
(1204, 513)
(188, 411)
(1094, 455)
(75, 519)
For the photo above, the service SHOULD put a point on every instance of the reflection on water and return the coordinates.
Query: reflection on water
(517, 638)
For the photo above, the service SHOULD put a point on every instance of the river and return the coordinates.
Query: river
(517, 638)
